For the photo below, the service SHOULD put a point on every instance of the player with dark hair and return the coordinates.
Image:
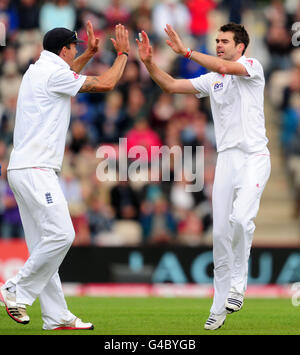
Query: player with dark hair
(42, 121)
(235, 86)
(240, 35)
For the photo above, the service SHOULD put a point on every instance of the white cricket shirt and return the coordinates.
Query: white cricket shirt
(43, 113)
(237, 104)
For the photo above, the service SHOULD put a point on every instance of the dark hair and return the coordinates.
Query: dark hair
(240, 34)
(57, 50)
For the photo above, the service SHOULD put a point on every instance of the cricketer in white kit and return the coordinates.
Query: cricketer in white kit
(42, 121)
(235, 87)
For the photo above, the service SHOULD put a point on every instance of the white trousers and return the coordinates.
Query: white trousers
(49, 233)
(239, 181)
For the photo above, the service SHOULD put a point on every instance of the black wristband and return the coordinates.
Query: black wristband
(120, 53)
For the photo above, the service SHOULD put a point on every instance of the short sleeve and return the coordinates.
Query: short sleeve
(253, 68)
(201, 84)
(65, 81)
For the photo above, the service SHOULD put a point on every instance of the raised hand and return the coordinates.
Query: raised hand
(144, 48)
(121, 42)
(93, 42)
(174, 41)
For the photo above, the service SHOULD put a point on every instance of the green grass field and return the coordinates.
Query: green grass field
(164, 316)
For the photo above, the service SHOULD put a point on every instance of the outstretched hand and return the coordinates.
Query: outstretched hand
(121, 42)
(144, 47)
(93, 42)
(174, 40)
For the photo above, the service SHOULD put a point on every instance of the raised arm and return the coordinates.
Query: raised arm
(211, 63)
(92, 48)
(165, 81)
(108, 80)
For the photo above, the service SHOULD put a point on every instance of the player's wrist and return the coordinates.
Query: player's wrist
(90, 52)
(122, 53)
(187, 53)
(149, 64)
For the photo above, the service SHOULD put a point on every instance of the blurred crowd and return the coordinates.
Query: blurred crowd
(284, 89)
(140, 211)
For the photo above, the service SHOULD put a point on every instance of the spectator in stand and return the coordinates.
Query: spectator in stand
(9, 85)
(292, 119)
(124, 201)
(110, 119)
(190, 230)
(290, 109)
(28, 14)
(143, 135)
(278, 37)
(290, 128)
(283, 85)
(117, 12)
(97, 19)
(162, 111)
(57, 13)
(79, 137)
(155, 189)
(86, 13)
(190, 107)
(10, 82)
(135, 105)
(71, 187)
(184, 201)
(28, 38)
(141, 17)
(199, 11)
(191, 118)
(235, 8)
(9, 17)
(85, 165)
(100, 217)
(194, 134)
(284, 90)
(158, 223)
(173, 12)
(199, 25)
(131, 76)
(11, 226)
(80, 111)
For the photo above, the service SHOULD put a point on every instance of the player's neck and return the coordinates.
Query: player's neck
(237, 57)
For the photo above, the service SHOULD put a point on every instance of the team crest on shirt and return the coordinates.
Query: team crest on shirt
(49, 198)
(218, 85)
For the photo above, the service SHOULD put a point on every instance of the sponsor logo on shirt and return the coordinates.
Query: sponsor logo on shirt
(249, 61)
(218, 85)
